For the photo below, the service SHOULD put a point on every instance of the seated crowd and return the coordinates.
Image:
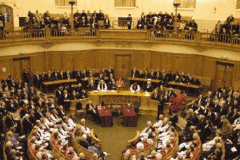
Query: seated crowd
(159, 138)
(81, 20)
(165, 77)
(214, 115)
(161, 24)
(83, 137)
(29, 118)
(227, 31)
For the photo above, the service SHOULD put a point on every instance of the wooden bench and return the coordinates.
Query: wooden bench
(134, 140)
(80, 149)
(181, 124)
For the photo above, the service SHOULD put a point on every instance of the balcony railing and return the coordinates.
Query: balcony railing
(134, 34)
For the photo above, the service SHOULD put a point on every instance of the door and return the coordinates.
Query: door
(21, 65)
(123, 67)
(8, 15)
(224, 75)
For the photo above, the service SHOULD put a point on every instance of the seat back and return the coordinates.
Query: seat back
(79, 106)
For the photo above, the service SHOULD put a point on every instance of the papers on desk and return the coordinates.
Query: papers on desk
(147, 94)
(95, 91)
(103, 90)
(149, 79)
(113, 90)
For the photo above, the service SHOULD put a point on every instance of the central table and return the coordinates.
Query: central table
(105, 115)
(130, 117)
(180, 85)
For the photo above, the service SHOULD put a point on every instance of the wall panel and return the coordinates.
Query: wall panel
(55, 61)
(156, 60)
(68, 61)
(138, 60)
(90, 59)
(5, 67)
(79, 59)
(209, 67)
(38, 63)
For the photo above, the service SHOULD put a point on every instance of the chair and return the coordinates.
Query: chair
(79, 108)
(136, 106)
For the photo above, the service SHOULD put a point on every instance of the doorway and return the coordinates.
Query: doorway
(123, 67)
(7, 12)
(21, 65)
(224, 75)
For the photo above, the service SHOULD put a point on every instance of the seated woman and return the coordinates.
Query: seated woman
(120, 84)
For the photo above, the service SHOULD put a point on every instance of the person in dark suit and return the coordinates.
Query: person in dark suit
(27, 125)
(160, 106)
(134, 73)
(148, 87)
(9, 121)
(234, 116)
(83, 142)
(106, 22)
(100, 15)
(26, 76)
(37, 79)
(66, 100)
(230, 18)
(129, 21)
(2, 22)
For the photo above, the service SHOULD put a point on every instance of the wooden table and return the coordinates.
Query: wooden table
(57, 82)
(130, 117)
(187, 86)
(74, 102)
(124, 97)
(105, 115)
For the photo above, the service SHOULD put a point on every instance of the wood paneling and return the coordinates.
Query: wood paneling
(90, 60)
(122, 66)
(38, 63)
(5, 65)
(138, 60)
(209, 67)
(197, 65)
(68, 60)
(54, 61)
(79, 60)
(17, 70)
(105, 59)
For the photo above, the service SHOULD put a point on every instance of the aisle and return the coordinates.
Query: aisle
(114, 139)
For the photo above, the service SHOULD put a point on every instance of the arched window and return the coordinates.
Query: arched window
(63, 3)
(125, 3)
(187, 4)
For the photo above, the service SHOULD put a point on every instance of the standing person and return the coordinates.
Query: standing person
(106, 22)
(2, 22)
(129, 21)
(160, 106)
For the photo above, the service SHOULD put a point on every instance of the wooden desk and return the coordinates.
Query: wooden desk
(74, 102)
(122, 97)
(57, 82)
(187, 86)
(105, 115)
(130, 117)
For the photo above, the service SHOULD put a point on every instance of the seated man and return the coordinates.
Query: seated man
(135, 87)
(102, 86)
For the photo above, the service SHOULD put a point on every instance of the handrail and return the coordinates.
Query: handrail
(134, 139)
(78, 148)
(86, 33)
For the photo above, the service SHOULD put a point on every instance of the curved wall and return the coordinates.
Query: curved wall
(194, 59)
(145, 46)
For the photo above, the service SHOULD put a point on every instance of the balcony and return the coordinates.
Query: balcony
(117, 35)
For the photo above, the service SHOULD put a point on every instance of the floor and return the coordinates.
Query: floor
(114, 139)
